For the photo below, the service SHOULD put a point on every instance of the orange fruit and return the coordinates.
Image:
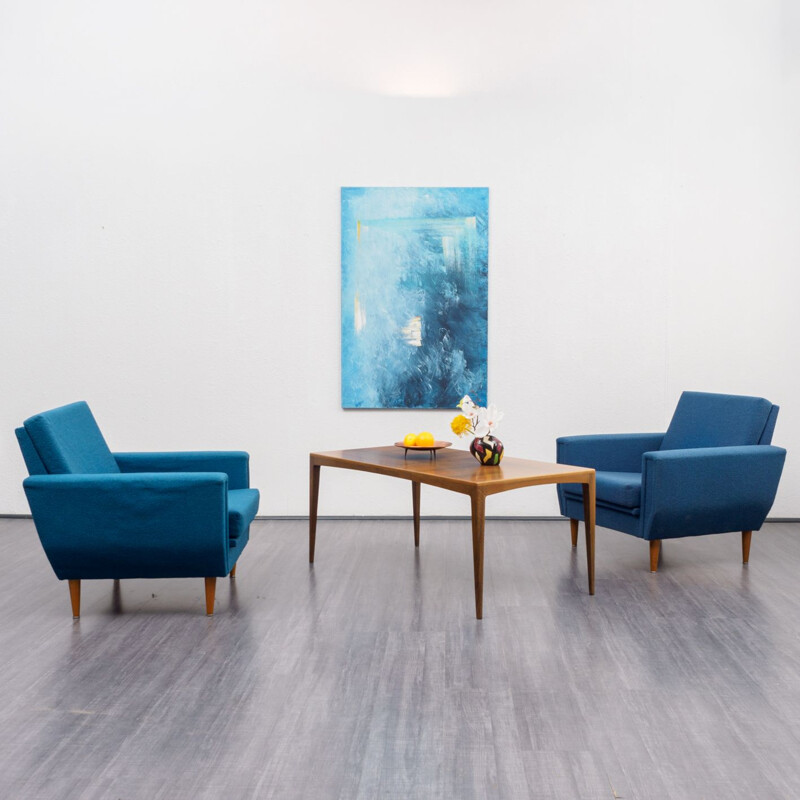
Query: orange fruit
(425, 439)
(410, 439)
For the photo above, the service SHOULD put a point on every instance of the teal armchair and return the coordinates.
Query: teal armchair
(713, 471)
(103, 515)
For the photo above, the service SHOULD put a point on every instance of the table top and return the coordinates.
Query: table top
(456, 470)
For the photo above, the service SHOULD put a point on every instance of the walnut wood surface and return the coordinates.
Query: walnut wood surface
(655, 550)
(588, 526)
(457, 471)
(75, 597)
(211, 590)
(313, 501)
(573, 531)
(415, 500)
(746, 537)
(478, 526)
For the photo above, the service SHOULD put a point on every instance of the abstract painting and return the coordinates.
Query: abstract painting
(414, 296)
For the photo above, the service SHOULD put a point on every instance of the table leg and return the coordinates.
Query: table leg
(313, 500)
(478, 524)
(573, 531)
(588, 516)
(415, 486)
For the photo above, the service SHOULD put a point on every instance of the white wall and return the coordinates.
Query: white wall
(169, 217)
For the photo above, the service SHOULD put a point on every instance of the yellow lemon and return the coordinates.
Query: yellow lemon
(425, 439)
(410, 439)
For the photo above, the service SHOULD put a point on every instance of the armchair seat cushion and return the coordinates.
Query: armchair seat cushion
(613, 489)
(242, 508)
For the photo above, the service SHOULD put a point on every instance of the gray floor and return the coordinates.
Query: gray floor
(369, 677)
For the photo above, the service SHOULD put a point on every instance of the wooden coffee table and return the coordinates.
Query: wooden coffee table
(457, 471)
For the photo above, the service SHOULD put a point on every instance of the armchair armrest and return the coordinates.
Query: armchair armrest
(144, 525)
(610, 452)
(708, 489)
(234, 463)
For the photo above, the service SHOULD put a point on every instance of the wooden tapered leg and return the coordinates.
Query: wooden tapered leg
(478, 524)
(116, 597)
(655, 550)
(232, 573)
(415, 487)
(588, 524)
(211, 590)
(75, 598)
(573, 530)
(746, 536)
(313, 501)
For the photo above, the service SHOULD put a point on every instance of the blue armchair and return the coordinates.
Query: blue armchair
(713, 471)
(104, 515)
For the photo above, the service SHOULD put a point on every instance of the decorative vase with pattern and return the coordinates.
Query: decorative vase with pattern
(487, 449)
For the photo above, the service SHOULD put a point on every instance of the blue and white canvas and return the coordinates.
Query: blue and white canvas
(414, 296)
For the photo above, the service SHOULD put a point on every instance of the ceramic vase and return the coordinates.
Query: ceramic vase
(487, 449)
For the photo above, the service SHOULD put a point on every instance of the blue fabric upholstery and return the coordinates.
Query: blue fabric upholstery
(242, 508)
(709, 489)
(235, 464)
(616, 452)
(146, 525)
(608, 454)
(68, 441)
(714, 470)
(242, 501)
(616, 488)
(716, 420)
(133, 515)
(237, 545)
(617, 518)
(32, 460)
(769, 428)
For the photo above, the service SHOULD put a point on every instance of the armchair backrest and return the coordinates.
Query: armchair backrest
(32, 460)
(704, 419)
(66, 440)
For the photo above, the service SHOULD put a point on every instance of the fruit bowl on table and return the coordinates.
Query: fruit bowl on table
(426, 447)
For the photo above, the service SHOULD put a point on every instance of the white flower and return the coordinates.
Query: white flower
(482, 420)
(493, 417)
(468, 408)
(479, 426)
